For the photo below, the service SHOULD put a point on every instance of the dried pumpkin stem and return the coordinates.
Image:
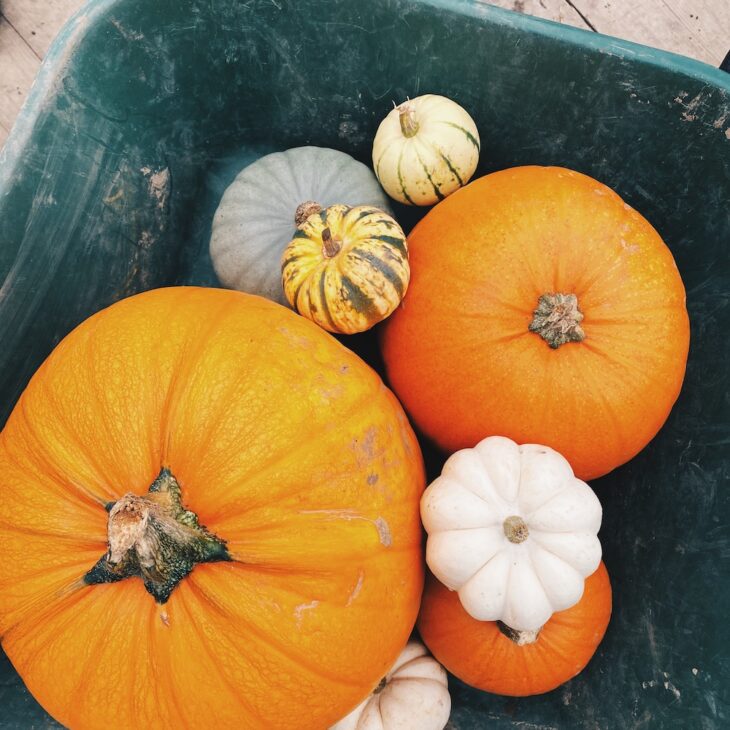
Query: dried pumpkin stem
(408, 123)
(381, 686)
(304, 210)
(515, 529)
(330, 245)
(155, 538)
(521, 638)
(557, 319)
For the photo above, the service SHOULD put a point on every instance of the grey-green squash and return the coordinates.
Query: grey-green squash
(260, 210)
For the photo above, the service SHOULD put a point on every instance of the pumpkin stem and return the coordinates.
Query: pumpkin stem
(330, 245)
(408, 123)
(515, 529)
(381, 686)
(521, 638)
(155, 538)
(557, 319)
(304, 210)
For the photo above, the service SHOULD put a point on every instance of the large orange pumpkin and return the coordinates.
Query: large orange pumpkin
(252, 422)
(492, 657)
(543, 308)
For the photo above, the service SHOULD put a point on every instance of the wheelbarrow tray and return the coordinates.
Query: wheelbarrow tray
(144, 111)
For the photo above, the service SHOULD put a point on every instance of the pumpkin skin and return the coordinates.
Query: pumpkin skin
(462, 357)
(425, 149)
(414, 694)
(285, 445)
(512, 531)
(255, 219)
(346, 268)
(480, 654)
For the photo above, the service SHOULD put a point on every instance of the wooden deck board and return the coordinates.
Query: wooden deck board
(560, 11)
(38, 21)
(18, 67)
(696, 28)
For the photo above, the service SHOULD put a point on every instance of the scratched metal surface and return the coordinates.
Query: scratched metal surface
(144, 111)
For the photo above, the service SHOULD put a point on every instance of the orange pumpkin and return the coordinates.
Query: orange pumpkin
(492, 657)
(282, 518)
(543, 308)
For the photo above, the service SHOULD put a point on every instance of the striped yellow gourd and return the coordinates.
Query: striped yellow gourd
(346, 268)
(425, 149)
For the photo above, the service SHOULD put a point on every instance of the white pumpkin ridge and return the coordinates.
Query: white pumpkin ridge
(413, 694)
(497, 490)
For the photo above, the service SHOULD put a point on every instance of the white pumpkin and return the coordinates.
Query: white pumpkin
(513, 531)
(425, 149)
(255, 220)
(414, 695)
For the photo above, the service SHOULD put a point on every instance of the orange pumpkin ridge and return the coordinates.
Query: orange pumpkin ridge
(493, 657)
(561, 306)
(236, 589)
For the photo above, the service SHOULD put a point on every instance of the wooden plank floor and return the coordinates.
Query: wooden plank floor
(696, 28)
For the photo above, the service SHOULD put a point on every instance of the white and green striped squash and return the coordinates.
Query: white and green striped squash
(256, 217)
(346, 268)
(425, 149)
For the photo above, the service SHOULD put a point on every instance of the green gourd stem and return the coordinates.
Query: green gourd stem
(155, 538)
(330, 245)
(515, 529)
(521, 638)
(408, 123)
(304, 210)
(557, 319)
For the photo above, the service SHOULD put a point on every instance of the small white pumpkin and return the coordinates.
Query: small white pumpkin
(513, 531)
(260, 210)
(425, 149)
(414, 694)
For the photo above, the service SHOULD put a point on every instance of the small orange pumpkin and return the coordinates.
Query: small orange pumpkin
(542, 308)
(490, 656)
(205, 503)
